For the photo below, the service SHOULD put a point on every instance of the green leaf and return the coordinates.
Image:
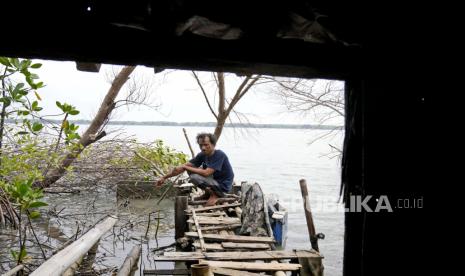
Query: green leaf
(5, 101)
(59, 105)
(5, 61)
(37, 95)
(74, 112)
(34, 215)
(37, 127)
(36, 204)
(34, 105)
(15, 62)
(23, 189)
(36, 65)
(22, 253)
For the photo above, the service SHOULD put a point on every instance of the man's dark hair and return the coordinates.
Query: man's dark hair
(211, 136)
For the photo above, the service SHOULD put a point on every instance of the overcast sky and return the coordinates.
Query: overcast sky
(176, 92)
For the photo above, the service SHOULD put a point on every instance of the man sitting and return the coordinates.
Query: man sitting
(210, 170)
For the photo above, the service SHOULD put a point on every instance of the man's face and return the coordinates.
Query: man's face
(206, 146)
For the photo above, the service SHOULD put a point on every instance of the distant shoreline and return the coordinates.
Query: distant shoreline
(207, 124)
(213, 124)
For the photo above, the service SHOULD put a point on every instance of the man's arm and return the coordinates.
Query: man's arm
(176, 171)
(203, 172)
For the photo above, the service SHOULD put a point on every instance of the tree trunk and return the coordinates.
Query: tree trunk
(92, 134)
(220, 125)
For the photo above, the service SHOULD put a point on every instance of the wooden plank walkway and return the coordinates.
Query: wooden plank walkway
(211, 232)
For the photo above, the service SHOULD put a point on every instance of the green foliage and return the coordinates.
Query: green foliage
(163, 156)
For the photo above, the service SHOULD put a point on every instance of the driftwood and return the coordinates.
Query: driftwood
(128, 267)
(61, 261)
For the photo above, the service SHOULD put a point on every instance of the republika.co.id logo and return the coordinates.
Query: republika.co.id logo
(381, 204)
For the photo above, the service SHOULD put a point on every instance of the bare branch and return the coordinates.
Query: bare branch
(204, 94)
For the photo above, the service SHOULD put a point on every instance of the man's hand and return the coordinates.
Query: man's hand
(160, 181)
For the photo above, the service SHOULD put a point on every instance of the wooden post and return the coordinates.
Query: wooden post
(130, 263)
(308, 215)
(60, 262)
(180, 218)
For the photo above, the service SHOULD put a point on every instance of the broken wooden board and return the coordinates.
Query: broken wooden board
(253, 266)
(234, 245)
(231, 238)
(201, 209)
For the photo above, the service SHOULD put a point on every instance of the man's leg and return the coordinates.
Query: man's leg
(208, 183)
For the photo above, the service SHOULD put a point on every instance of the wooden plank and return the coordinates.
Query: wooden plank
(220, 201)
(176, 271)
(234, 245)
(214, 207)
(233, 272)
(179, 256)
(214, 214)
(231, 238)
(259, 255)
(222, 227)
(253, 266)
(199, 231)
(210, 246)
(216, 220)
(250, 255)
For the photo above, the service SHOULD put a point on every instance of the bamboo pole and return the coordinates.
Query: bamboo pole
(60, 262)
(188, 142)
(308, 215)
(130, 262)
